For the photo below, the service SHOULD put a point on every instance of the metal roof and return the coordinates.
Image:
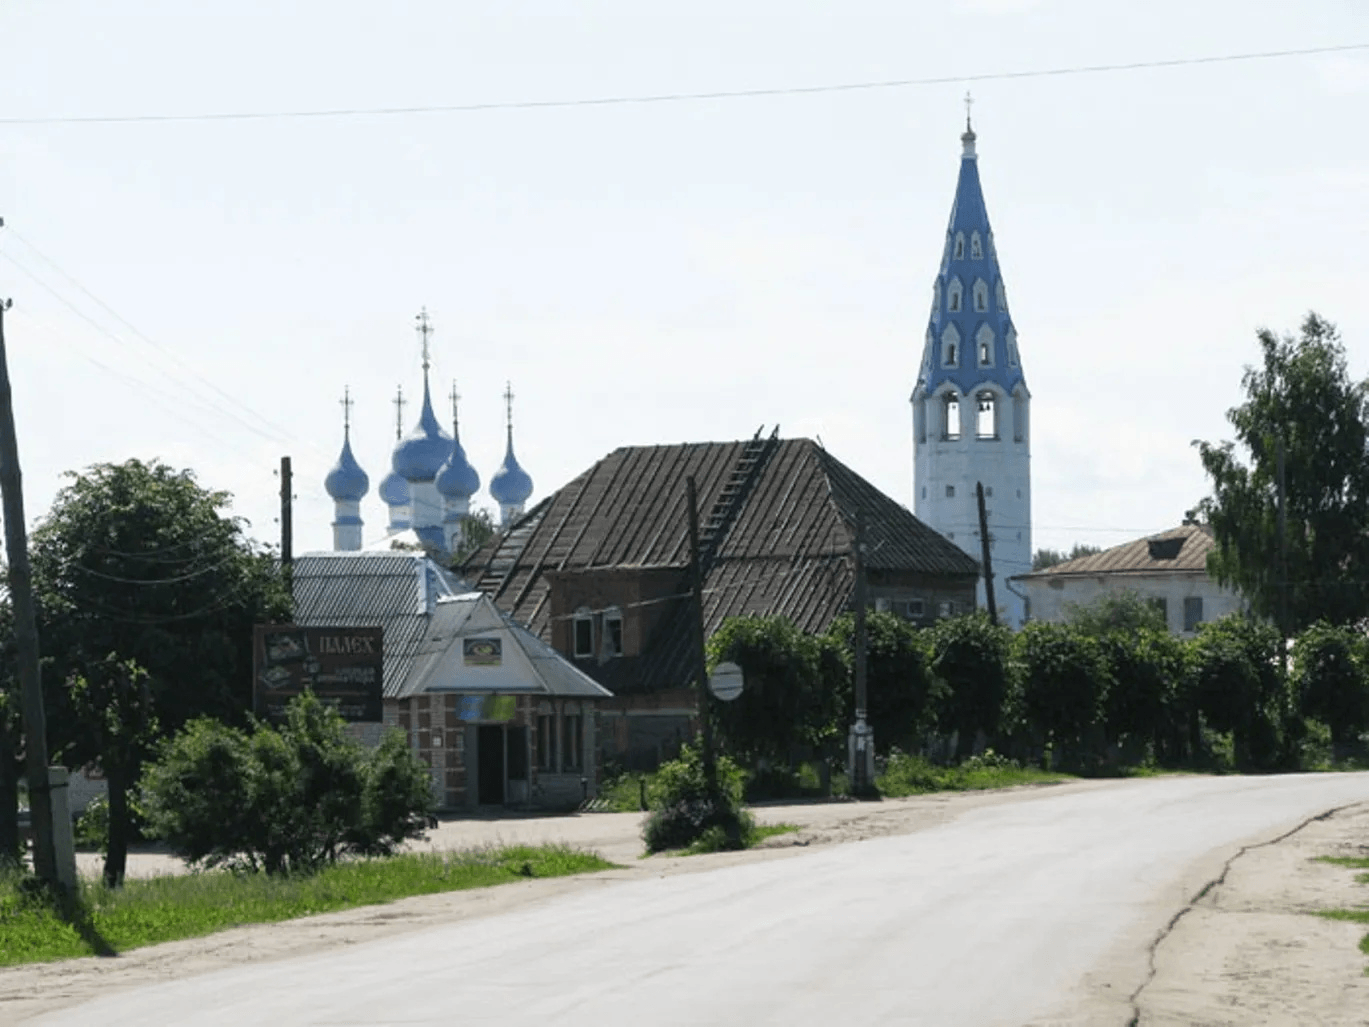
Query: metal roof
(1181, 550)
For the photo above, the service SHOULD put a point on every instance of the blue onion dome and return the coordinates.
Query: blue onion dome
(420, 455)
(457, 478)
(394, 490)
(347, 482)
(510, 484)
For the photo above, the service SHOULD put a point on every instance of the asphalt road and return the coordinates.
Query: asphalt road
(1030, 912)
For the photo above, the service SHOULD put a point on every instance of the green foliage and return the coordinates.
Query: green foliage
(91, 829)
(684, 809)
(793, 694)
(901, 693)
(167, 907)
(1044, 558)
(904, 774)
(284, 801)
(1302, 395)
(1330, 679)
(1123, 610)
(1149, 696)
(1239, 687)
(968, 661)
(1064, 684)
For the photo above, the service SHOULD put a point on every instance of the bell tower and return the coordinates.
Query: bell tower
(971, 406)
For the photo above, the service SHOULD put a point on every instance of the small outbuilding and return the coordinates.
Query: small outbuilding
(498, 715)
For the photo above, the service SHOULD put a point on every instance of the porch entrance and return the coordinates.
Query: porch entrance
(489, 747)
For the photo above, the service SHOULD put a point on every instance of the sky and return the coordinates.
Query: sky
(203, 291)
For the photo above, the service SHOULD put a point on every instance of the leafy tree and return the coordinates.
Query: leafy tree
(1330, 680)
(288, 800)
(1239, 687)
(1064, 684)
(113, 717)
(684, 808)
(969, 662)
(1044, 558)
(1301, 395)
(793, 689)
(1148, 698)
(900, 690)
(139, 561)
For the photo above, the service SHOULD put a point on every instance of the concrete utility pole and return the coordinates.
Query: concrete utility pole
(984, 549)
(45, 863)
(1283, 557)
(700, 652)
(860, 749)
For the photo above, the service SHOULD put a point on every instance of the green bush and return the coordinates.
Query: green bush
(285, 800)
(684, 809)
(91, 828)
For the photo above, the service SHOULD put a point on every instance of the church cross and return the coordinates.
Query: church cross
(398, 401)
(424, 327)
(346, 402)
(456, 396)
(969, 103)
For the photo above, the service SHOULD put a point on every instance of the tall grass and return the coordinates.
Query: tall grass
(105, 921)
(912, 775)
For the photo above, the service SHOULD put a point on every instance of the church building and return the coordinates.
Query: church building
(971, 424)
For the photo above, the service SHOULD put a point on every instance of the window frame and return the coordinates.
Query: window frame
(583, 619)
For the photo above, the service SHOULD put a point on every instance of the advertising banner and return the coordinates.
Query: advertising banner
(343, 666)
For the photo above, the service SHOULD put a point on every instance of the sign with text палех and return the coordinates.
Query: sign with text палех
(343, 666)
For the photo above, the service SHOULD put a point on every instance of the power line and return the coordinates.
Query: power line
(658, 98)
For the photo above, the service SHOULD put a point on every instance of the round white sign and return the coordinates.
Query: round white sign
(726, 681)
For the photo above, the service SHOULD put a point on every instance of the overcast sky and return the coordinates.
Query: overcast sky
(660, 272)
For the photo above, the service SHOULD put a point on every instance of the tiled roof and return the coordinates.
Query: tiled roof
(395, 590)
(778, 519)
(1180, 550)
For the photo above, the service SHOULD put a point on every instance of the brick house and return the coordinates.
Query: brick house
(600, 569)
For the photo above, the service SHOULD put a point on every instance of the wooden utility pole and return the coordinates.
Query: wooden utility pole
(861, 734)
(984, 549)
(287, 526)
(1283, 557)
(25, 631)
(700, 653)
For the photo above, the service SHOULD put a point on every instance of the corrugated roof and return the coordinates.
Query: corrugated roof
(778, 521)
(395, 590)
(1180, 550)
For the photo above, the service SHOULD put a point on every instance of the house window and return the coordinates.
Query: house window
(584, 633)
(976, 247)
(1193, 612)
(613, 633)
(546, 742)
(950, 491)
(913, 609)
(952, 416)
(986, 421)
(571, 728)
(946, 608)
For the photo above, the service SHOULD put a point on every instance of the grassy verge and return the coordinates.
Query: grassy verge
(1357, 916)
(145, 912)
(912, 775)
(714, 840)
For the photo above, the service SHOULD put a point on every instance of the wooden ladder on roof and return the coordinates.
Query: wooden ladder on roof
(733, 495)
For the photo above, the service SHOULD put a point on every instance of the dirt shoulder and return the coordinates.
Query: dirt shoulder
(1250, 952)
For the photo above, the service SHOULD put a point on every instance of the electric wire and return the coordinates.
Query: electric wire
(681, 97)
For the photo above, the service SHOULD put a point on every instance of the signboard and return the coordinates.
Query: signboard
(343, 666)
(726, 681)
(482, 652)
(487, 707)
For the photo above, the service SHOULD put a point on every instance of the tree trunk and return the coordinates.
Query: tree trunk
(116, 856)
(10, 850)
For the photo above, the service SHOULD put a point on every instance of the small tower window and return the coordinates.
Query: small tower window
(1002, 296)
(953, 296)
(1019, 420)
(952, 416)
(950, 491)
(976, 248)
(986, 419)
(981, 296)
(959, 246)
(920, 420)
(613, 632)
(984, 345)
(950, 347)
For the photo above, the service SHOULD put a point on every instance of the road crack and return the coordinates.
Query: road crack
(1208, 889)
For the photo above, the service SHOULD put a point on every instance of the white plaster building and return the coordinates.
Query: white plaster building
(971, 422)
(1169, 569)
